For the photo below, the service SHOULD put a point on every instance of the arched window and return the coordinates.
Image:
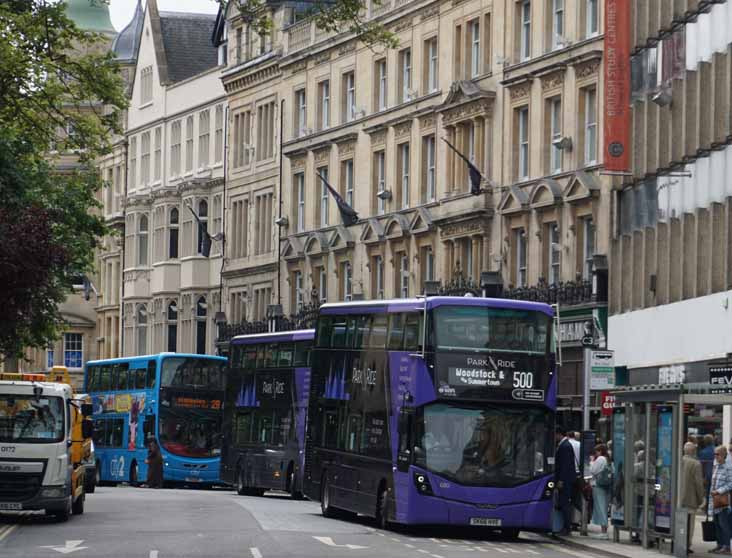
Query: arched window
(142, 230)
(173, 238)
(201, 309)
(202, 225)
(172, 326)
(141, 329)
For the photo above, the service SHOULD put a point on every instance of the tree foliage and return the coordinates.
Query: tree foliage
(59, 93)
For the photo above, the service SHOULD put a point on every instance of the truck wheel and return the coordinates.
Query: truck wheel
(90, 483)
(63, 515)
(78, 506)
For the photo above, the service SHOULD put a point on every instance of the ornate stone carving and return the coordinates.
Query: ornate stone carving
(520, 91)
(321, 58)
(298, 163)
(427, 121)
(480, 108)
(403, 24)
(587, 69)
(463, 228)
(555, 79)
(430, 12)
(346, 148)
(347, 48)
(298, 67)
(403, 128)
(378, 137)
(322, 155)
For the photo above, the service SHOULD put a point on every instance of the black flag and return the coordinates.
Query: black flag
(475, 175)
(348, 214)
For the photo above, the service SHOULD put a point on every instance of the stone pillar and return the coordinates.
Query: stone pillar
(475, 272)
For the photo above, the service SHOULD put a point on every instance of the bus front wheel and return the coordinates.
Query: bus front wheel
(510, 534)
(382, 510)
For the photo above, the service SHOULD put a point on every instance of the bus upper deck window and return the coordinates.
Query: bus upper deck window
(122, 376)
(396, 332)
(302, 352)
(270, 355)
(323, 334)
(338, 333)
(250, 357)
(140, 378)
(105, 377)
(284, 356)
(412, 328)
(377, 339)
(151, 374)
(363, 324)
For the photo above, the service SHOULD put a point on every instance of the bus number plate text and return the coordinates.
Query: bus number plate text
(485, 521)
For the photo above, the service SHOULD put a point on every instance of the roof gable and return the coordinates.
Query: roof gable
(341, 239)
(292, 249)
(545, 194)
(316, 244)
(396, 227)
(421, 222)
(372, 232)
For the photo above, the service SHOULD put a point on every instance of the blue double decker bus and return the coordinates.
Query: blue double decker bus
(436, 410)
(266, 406)
(176, 399)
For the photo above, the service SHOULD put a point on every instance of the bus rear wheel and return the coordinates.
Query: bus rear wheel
(241, 488)
(325, 508)
(133, 474)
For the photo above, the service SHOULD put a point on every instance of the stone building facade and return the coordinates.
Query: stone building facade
(501, 81)
(173, 202)
(671, 249)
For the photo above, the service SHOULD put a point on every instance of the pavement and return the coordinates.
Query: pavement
(143, 523)
(625, 548)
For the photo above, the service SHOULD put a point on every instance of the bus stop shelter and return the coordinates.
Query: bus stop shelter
(649, 431)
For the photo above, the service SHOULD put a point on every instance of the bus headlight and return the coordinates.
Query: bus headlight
(548, 490)
(423, 484)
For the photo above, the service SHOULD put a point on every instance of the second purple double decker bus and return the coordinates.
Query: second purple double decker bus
(436, 410)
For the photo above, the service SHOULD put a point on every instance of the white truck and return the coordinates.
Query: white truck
(44, 435)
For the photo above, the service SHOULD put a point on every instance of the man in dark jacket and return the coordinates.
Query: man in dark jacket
(565, 474)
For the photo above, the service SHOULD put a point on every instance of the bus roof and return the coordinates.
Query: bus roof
(296, 335)
(417, 304)
(153, 357)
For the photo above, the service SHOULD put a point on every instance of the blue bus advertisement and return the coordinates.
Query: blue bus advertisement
(175, 399)
(434, 411)
(265, 412)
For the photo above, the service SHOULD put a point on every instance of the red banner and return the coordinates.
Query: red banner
(608, 403)
(617, 86)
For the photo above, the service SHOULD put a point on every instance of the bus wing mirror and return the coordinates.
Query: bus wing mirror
(87, 409)
(404, 459)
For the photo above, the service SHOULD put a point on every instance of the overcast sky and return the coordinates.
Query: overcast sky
(121, 10)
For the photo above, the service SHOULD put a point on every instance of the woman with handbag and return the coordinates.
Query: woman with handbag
(601, 482)
(720, 487)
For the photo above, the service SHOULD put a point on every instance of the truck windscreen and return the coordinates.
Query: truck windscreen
(27, 419)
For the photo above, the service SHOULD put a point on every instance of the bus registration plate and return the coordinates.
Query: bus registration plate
(485, 521)
(192, 479)
(10, 506)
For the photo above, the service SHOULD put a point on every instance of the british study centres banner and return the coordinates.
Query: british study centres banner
(617, 86)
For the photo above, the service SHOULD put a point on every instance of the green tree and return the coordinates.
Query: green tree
(60, 92)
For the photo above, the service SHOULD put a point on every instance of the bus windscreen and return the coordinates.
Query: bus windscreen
(486, 445)
(483, 328)
(191, 399)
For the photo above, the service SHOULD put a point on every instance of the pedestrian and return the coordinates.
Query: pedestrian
(720, 487)
(706, 458)
(565, 474)
(692, 488)
(601, 472)
(575, 439)
(154, 465)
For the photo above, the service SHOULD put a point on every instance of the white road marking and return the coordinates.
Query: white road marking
(499, 549)
(68, 548)
(513, 550)
(255, 552)
(532, 551)
(329, 542)
(409, 545)
(5, 531)
(423, 551)
(394, 539)
(436, 556)
(153, 554)
(435, 540)
(560, 548)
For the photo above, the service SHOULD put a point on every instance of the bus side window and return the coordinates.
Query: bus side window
(91, 372)
(99, 432)
(330, 429)
(151, 368)
(117, 432)
(260, 356)
(350, 332)
(377, 339)
(270, 355)
(284, 358)
(323, 333)
(302, 353)
(148, 426)
(105, 377)
(412, 339)
(250, 357)
(123, 376)
(396, 332)
(139, 378)
(338, 332)
(109, 433)
(363, 324)
(113, 374)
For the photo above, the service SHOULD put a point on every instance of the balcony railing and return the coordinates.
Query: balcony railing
(299, 35)
(304, 318)
(565, 293)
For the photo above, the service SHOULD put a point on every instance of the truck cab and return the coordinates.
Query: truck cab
(43, 440)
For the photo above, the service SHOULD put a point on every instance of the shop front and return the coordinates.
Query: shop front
(663, 408)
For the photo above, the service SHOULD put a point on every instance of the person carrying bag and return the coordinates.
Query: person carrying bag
(719, 500)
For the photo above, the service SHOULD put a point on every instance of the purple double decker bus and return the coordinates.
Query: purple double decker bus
(267, 392)
(434, 411)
